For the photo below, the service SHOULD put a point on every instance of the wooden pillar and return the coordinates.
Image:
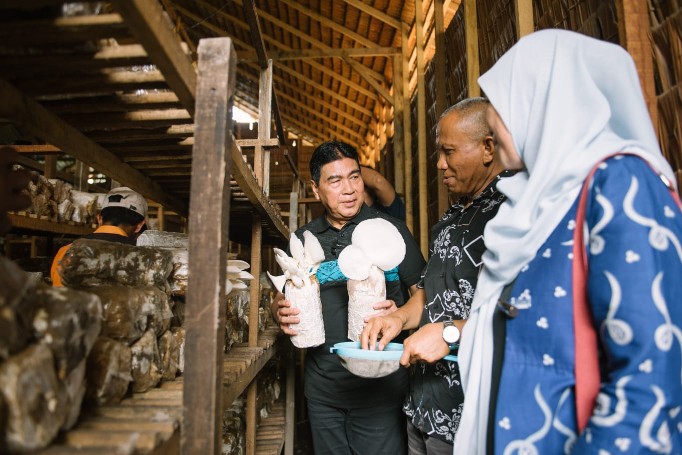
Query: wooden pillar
(254, 305)
(251, 405)
(634, 32)
(421, 132)
(524, 17)
(50, 170)
(290, 397)
(161, 218)
(407, 124)
(471, 32)
(208, 227)
(81, 176)
(440, 63)
(398, 125)
(261, 156)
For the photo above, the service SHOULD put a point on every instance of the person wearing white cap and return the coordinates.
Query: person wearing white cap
(124, 213)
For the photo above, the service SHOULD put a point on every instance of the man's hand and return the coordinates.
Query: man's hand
(388, 307)
(284, 315)
(426, 344)
(382, 328)
(12, 184)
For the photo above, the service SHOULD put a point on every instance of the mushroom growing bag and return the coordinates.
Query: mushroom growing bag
(376, 246)
(301, 287)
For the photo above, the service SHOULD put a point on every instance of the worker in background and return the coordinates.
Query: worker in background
(380, 194)
(471, 169)
(348, 414)
(13, 182)
(123, 215)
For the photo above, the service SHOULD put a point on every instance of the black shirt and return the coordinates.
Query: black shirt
(435, 400)
(326, 380)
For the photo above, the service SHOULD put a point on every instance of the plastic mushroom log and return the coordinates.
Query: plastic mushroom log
(301, 288)
(376, 247)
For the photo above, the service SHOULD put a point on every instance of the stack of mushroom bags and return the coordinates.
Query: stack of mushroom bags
(46, 335)
(135, 349)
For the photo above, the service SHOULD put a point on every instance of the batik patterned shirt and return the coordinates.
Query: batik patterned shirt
(435, 399)
(634, 287)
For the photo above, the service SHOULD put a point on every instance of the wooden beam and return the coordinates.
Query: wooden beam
(398, 125)
(343, 30)
(109, 81)
(208, 227)
(471, 34)
(261, 154)
(361, 70)
(274, 42)
(383, 17)
(441, 90)
(149, 24)
(524, 17)
(407, 122)
(635, 35)
(302, 54)
(63, 30)
(249, 8)
(41, 149)
(421, 132)
(327, 126)
(36, 120)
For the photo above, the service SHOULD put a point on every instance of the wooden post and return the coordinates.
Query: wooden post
(290, 397)
(208, 227)
(441, 90)
(421, 132)
(261, 157)
(254, 305)
(407, 124)
(398, 125)
(81, 176)
(251, 404)
(293, 210)
(471, 32)
(50, 171)
(634, 31)
(524, 17)
(161, 218)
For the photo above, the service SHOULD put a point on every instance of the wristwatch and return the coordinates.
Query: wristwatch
(450, 334)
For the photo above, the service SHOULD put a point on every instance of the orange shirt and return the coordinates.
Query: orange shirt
(54, 270)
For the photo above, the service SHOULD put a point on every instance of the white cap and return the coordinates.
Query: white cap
(126, 198)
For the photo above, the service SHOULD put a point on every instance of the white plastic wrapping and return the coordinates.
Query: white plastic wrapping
(362, 295)
(311, 326)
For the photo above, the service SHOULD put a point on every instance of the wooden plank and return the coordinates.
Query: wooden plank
(149, 24)
(208, 227)
(441, 90)
(142, 441)
(304, 54)
(36, 224)
(261, 156)
(254, 142)
(421, 132)
(37, 120)
(407, 123)
(385, 18)
(235, 388)
(271, 435)
(290, 405)
(254, 286)
(635, 35)
(251, 401)
(524, 17)
(362, 71)
(471, 34)
(398, 126)
(63, 30)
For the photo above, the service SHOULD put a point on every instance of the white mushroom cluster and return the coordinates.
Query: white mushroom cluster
(376, 246)
(301, 288)
(237, 275)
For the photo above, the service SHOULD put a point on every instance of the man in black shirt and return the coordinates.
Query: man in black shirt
(349, 414)
(440, 308)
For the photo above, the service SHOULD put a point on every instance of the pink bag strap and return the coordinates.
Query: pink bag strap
(587, 375)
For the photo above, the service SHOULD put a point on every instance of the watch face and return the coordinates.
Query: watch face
(451, 334)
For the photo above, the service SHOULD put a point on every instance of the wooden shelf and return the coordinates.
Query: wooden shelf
(271, 431)
(45, 225)
(147, 423)
(242, 364)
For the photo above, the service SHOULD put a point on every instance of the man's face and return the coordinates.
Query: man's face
(340, 190)
(464, 162)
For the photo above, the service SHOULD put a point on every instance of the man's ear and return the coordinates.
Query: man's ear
(316, 192)
(488, 150)
(139, 225)
(99, 219)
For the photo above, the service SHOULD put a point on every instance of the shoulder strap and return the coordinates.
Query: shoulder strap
(587, 375)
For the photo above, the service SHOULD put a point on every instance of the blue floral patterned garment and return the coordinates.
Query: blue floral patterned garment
(635, 293)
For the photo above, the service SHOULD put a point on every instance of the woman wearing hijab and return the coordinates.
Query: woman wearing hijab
(563, 104)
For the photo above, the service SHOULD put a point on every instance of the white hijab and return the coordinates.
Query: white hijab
(568, 101)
